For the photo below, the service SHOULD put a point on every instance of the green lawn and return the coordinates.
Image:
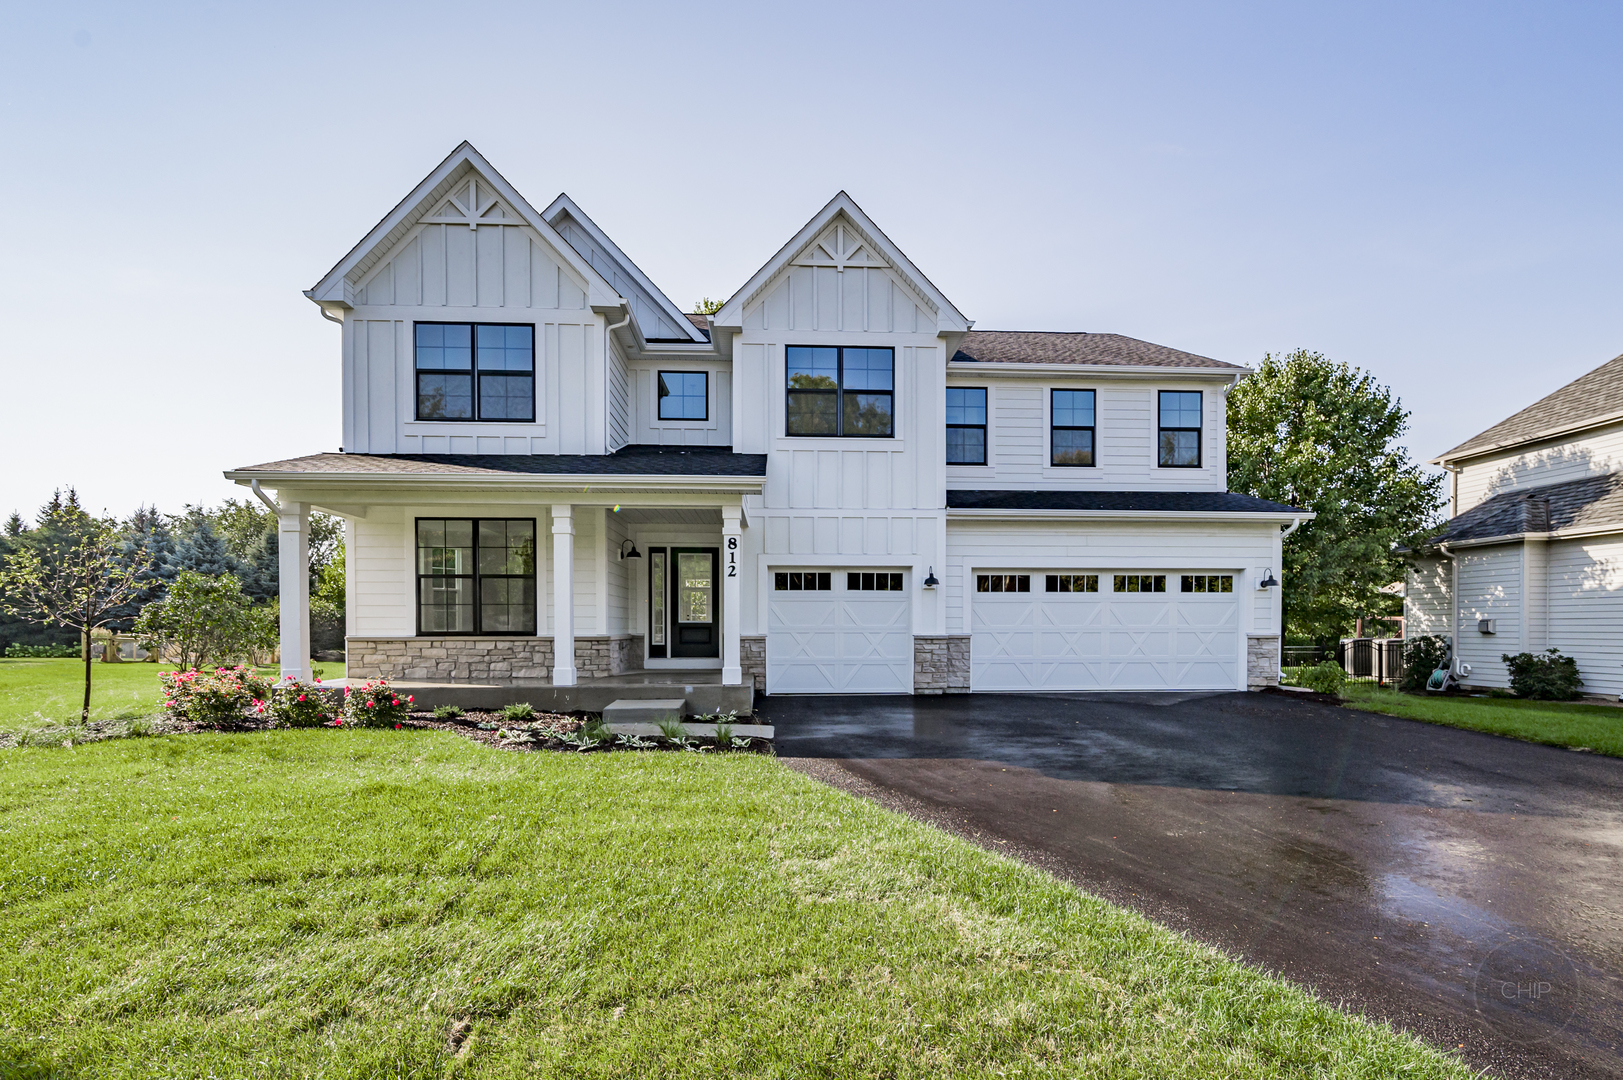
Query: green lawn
(332, 904)
(34, 693)
(1558, 723)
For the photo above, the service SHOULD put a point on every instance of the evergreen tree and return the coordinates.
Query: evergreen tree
(147, 543)
(15, 525)
(198, 546)
(260, 567)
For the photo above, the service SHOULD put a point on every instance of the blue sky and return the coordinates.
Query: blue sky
(1428, 191)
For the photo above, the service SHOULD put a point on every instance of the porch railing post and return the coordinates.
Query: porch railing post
(563, 595)
(731, 577)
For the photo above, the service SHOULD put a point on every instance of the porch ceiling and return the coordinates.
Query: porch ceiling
(669, 515)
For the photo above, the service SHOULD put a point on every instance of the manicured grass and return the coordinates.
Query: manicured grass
(1558, 723)
(322, 903)
(34, 693)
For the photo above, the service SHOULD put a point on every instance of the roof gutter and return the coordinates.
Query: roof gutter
(540, 481)
(1251, 516)
(1296, 523)
(1013, 368)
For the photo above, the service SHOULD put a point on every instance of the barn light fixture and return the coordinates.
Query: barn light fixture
(633, 553)
(1267, 581)
(930, 581)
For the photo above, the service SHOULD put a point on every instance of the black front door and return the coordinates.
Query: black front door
(694, 630)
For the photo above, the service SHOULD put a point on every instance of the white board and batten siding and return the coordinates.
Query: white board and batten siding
(643, 394)
(1592, 453)
(1126, 436)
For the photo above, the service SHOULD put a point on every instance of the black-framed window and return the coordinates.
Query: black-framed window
(1180, 429)
(684, 395)
(966, 425)
(476, 576)
(1070, 437)
(1208, 583)
(475, 371)
(873, 582)
(841, 391)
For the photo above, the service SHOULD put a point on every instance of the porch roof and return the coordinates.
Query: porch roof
(634, 460)
(1185, 502)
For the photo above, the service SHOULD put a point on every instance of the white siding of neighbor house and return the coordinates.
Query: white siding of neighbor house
(1586, 609)
(1126, 435)
(1115, 547)
(1490, 584)
(1591, 453)
(1427, 601)
(647, 427)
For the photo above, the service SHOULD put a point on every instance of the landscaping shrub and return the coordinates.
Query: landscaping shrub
(519, 712)
(1546, 676)
(18, 651)
(299, 706)
(1421, 657)
(221, 699)
(447, 712)
(375, 704)
(1324, 678)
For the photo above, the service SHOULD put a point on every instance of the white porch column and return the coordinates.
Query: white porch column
(293, 577)
(732, 577)
(563, 595)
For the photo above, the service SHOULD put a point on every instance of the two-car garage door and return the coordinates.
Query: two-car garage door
(1104, 631)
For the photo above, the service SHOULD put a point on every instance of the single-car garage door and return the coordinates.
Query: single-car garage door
(1087, 630)
(839, 632)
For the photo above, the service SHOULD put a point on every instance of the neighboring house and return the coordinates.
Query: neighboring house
(549, 472)
(1532, 557)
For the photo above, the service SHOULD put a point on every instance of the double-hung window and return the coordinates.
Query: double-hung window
(475, 576)
(841, 391)
(1180, 429)
(1070, 440)
(684, 395)
(966, 425)
(475, 371)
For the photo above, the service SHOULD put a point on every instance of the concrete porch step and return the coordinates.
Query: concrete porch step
(708, 731)
(645, 711)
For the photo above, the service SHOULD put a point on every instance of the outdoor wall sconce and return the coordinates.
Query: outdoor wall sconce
(1268, 581)
(633, 553)
(930, 581)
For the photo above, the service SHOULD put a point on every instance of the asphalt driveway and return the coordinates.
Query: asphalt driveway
(1465, 887)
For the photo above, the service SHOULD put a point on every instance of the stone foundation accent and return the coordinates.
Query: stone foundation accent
(625, 654)
(449, 659)
(1261, 662)
(596, 656)
(752, 657)
(941, 664)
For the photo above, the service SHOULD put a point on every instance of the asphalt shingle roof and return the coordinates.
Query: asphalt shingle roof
(1593, 502)
(635, 460)
(1589, 398)
(1036, 347)
(1185, 501)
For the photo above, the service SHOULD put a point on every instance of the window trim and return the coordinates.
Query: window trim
(1200, 438)
(478, 591)
(1091, 429)
(659, 402)
(983, 427)
(473, 373)
(839, 392)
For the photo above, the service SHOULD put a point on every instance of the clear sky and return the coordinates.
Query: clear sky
(1428, 191)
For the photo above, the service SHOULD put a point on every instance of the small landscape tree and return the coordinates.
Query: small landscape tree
(81, 580)
(205, 620)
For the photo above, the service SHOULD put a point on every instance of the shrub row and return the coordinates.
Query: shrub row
(227, 698)
(18, 651)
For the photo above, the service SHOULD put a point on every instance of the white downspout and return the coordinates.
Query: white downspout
(275, 508)
(1453, 606)
(1296, 523)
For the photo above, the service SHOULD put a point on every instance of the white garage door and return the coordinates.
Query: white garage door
(839, 632)
(1104, 631)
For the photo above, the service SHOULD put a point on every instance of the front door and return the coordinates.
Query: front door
(693, 602)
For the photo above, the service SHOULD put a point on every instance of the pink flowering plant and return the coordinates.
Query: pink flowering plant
(375, 704)
(299, 705)
(222, 699)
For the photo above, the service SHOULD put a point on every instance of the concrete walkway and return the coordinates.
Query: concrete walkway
(1465, 887)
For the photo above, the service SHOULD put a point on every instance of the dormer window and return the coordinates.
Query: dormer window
(840, 391)
(684, 395)
(475, 371)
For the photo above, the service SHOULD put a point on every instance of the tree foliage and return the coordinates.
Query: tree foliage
(1323, 436)
(207, 620)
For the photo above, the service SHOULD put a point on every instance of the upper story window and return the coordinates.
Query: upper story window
(1180, 429)
(966, 425)
(475, 576)
(841, 391)
(475, 371)
(684, 395)
(1071, 434)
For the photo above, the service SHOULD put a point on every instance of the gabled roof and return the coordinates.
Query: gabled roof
(1595, 502)
(337, 285)
(948, 318)
(1105, 350)
(1587, 401)
(605, 255)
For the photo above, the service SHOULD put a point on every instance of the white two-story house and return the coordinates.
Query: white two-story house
(1532, 555)
(550, 474)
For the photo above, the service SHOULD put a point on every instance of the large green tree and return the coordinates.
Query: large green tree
(1323, 436)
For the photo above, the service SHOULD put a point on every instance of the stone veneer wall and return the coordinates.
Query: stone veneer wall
(1261, 662)
(752, 658)
(473, 659)
(941, 664)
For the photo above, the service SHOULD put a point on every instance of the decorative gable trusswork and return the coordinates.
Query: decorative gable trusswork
(473, 204)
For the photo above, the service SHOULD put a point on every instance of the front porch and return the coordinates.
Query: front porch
(703, 691)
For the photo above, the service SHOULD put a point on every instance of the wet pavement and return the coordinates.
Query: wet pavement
(1464, 887)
